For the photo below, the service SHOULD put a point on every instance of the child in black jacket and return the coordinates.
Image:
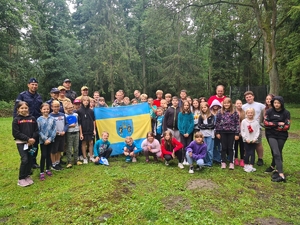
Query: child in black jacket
(25, 133)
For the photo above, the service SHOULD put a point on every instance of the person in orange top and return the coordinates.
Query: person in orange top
(171, 148)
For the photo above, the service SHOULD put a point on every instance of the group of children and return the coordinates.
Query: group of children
(183, 128)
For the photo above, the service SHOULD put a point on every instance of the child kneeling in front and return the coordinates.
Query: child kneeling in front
(196, 151)
(130, 149)
(101, 148)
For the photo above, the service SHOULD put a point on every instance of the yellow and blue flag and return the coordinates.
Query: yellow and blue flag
(123, 121)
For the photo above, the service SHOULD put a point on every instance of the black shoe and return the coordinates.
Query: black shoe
(35, 166)
(275, 175)
(59, 167)
(279, 179)
(269, 170)
(260, 162)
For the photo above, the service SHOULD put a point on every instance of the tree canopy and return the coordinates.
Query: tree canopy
(148, 45)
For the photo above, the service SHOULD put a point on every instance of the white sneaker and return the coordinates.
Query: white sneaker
(180, 166)
(133, 159)
(253, 169)
(185, 163)
(246, 167)
(191, 170)
(166, 163)
(92, 159)
(81, 158)
(85, 161)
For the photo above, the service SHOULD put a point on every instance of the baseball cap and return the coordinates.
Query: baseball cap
(84, 87)
(32, 80)
(61, 88)
(67, 80)
(54, 90)
(77, 101)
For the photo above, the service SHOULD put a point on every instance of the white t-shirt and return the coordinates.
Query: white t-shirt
(257, 106)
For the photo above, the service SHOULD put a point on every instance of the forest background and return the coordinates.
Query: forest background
(150, 44)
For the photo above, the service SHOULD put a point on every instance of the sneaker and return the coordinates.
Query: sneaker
(128, 159)
(49, 173)
(250, 169)
(23, 183)
(81, 158)
(242, 163)
(198, 167)
(59, 167)
(69, 166)
(166, 163)
(236, 162)
(42, 176)
(54, 168)
(269, 170)
(191, 170)
(85, 161)
(92, 159)
(185, 163)
(133, 159)
(223, 165)
(78, 163)
(279, 179)
(246, 167)
(231, 166)
(260, 162)
(29, 180)
(180, 166)
(275, 175)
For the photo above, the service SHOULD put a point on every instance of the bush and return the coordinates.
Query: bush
(6, 108)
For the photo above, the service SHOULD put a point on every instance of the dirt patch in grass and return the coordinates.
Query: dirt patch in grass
(3, 219)
(123, 187)
(269, 221)
(176, 203)
(199, 184)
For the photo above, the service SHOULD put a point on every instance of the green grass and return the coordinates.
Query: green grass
(126, 193)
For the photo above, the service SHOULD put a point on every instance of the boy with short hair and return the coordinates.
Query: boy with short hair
(59, 141)
(159, 94)
(101, 148)
(168, 98)
(171, 119)
(72, 135)
(102, 102)
(158, 126)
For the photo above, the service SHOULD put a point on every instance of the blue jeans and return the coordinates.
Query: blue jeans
(217, 150)
(200, 162)
(210, 151)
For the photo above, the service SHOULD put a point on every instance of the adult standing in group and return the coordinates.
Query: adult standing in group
(258, 107)
(218, 97)
(69, 93)
(220, 90)
(34, 101)
(84, 92)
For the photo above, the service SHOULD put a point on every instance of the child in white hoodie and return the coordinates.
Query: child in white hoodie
(250, 132)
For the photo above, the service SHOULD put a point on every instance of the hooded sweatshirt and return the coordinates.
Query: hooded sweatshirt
(273, 117)
(198, 150)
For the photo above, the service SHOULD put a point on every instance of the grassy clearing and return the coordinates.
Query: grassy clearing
(150, 193)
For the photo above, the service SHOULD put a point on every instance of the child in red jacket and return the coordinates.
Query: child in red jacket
(171, 148)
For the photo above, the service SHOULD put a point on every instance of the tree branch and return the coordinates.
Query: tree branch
(214, 3)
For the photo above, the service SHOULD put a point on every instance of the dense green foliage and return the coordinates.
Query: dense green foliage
(149, 45)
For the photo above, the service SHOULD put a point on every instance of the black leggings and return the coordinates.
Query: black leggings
(227, 141)
(26, 162)
(185, 141)
(236, 148)
(276, 146)
(45, 157)
(178, 154)
(250, 153)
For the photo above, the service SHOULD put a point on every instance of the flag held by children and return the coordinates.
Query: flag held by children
(123, 121)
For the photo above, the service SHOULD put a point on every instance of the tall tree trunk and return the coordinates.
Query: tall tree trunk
(267, 23)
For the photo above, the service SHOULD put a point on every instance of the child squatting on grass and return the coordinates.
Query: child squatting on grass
(151, 147)
(25, 132)
(171, 148)
(250, 131)
(101, 148)
(47, 134)
(130, 150)
(196, 151)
